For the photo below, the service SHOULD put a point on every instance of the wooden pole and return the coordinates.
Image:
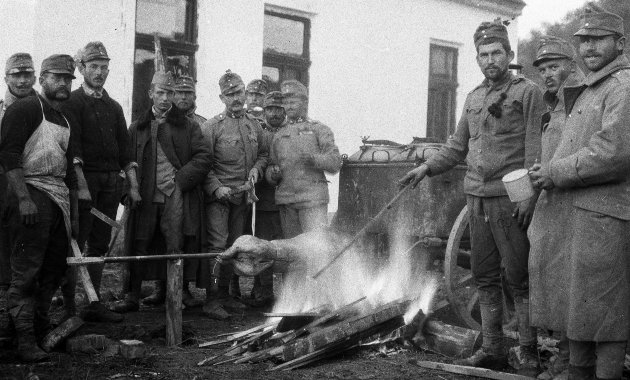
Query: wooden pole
(81, 261)
(84, 276)
(174, 282)
(470, 371)
(363, 230)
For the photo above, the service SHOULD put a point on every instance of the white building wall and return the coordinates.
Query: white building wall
(369, 72)
(43, 28)
(370, 64)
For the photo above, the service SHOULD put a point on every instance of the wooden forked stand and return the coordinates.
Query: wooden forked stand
(174, 277)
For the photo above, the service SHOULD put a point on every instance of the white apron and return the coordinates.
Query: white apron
(44, 163)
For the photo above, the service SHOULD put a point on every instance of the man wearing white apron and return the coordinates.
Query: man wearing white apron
(37, 159)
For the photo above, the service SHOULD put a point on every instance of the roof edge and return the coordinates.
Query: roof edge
(512, 8)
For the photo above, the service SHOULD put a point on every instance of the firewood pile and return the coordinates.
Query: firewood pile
(296, 340)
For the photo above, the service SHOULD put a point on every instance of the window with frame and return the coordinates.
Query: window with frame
(174, 22)
(286, 52)
(442, 92)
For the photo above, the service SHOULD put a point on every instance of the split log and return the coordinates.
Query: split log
(469, 371)
(132, 349)
(233, 349)
(84, 275)
(233, 337)
(173, 303)
(60, 333)
(297, 315)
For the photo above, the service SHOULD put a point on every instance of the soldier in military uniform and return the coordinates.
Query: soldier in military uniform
(267, 224)
(186, 96)
(300, 154)
(555, 61)
(20, 78)
(236, 141)
(255, 92)
(499, 132)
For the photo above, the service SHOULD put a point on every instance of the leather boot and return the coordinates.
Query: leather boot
(212, 308)
(97, 312)
(28, 350)
(130, 303)
(228, 301)
(158, 296)
(529, 364)
(491, 354)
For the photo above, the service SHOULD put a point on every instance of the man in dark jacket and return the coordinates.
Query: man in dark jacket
(173, 161)
(591, 166)
(101, 150)
(20, 78)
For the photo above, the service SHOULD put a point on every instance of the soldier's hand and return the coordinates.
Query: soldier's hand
(524, 211)
(273, 173)
(222, 193)
(85, 199)
(540, 177)
(253, 175)
(414, 176)
(28, 211)
(133, 198)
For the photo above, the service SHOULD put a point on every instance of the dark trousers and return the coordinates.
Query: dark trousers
(497, 241)
(38, 256)
(168, 220)
(105, 190)
(225, 222)
(5, 253)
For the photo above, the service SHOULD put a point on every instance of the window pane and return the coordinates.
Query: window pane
(271, 75)
(283, 36)
(167, 18)
(442, 61)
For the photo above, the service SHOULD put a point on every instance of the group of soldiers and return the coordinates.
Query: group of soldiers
(188, 185)
(563, 253)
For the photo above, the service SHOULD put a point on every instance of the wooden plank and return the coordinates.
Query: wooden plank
(232, 337)
(173, 303)
(470, 371)
(234, 349)
(282, 315)
(84, 276)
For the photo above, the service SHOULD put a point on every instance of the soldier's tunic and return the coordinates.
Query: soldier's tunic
(494, 146)
(547, 231)
(302, 194)
(592, 162)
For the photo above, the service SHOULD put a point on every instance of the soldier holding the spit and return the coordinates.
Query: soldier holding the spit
(499, 132)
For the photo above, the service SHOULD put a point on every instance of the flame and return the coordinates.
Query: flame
(357, 274)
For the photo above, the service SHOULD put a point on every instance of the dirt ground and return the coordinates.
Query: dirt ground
(392, 362)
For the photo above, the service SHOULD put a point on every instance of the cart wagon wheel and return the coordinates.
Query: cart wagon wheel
(461, 293)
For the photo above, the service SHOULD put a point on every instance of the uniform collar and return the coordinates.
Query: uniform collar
(619, 63)
(298, 120)
(496, 85)
(92, 92)
(159, 114)
(268, 127)
(233, 115)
